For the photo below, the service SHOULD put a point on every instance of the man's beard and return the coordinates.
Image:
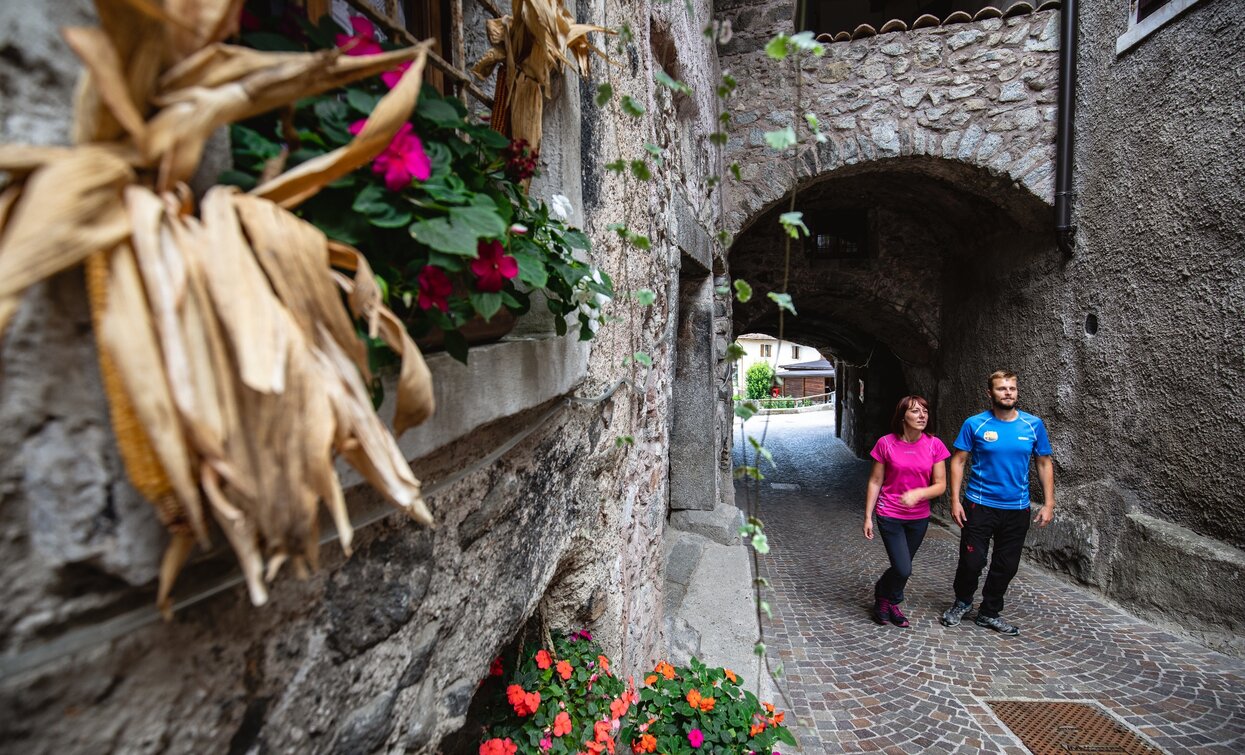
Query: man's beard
(1003, 407)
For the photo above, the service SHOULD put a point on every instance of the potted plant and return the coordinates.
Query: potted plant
(442, 215)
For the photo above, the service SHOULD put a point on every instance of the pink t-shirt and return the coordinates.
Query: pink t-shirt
(907, 466)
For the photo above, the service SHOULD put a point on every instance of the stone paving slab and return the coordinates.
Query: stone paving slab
(854, 686)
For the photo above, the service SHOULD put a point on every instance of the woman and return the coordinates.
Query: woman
(908, 470)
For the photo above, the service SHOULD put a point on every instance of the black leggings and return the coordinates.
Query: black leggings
(1007, 527)
(901, 537)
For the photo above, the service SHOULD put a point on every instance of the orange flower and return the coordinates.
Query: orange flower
(769, 708)
(665, 669)
(706, 704)
(777, 719)
(543, 659)
(562, 724)
(604, 663)
(647, 743)
(564, 670)
(618, 707)
(731, 675)
(601, 731)
(756, 729)
(593, 748)
(650, 680)
(693, 698)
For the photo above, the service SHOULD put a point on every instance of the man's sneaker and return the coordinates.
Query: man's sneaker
(952, 615)
(997, 624)
(897, 617)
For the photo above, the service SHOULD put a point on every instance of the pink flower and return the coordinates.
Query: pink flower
(696, 737)
(434, 288)
(391, 77)
(403, 160)
(362, 42)
(546, 743)
(493, 267)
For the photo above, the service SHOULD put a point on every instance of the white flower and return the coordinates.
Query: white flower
(518, 229)
(561, 208)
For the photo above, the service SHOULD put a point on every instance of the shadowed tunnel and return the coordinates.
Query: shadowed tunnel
(904, 256)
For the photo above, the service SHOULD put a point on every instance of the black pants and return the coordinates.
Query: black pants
(1007, 527)
(901, 537)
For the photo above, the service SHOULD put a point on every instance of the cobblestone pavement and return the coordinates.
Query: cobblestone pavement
(854, 686)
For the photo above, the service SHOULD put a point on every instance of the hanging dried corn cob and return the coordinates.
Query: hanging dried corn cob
(233, 371)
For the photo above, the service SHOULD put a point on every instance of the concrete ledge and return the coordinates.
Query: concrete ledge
(499, 380)
(797, 410)
(1173, 573)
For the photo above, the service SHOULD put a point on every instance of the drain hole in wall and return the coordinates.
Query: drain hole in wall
(1091, 324)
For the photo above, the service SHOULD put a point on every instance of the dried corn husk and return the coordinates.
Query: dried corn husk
(534, 42)
(233, 370)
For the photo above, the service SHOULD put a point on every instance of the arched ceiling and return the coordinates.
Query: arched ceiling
(930, 224)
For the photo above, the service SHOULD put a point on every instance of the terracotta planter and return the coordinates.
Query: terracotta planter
(477, 331)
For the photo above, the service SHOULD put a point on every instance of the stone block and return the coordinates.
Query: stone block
(721, 525)
(1012, 91)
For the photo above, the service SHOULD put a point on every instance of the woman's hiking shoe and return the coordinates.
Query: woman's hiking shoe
(952, 615)
(897, 617)
(881, 610)
(997, 624)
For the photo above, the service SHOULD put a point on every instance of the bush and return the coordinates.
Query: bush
(568, 701)
(759, 378)
(698, 709)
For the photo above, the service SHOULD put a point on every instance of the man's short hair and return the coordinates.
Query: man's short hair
(999, 375)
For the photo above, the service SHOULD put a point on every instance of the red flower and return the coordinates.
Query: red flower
(618, 707)
(403, 160)
(562, 724)
(604, 663)
(564, 670)
(495, 668)
(434, 288)
(499, 747)
(543, 659)
(493, 267)
(391, 77)
(514, 695)
(362, 42)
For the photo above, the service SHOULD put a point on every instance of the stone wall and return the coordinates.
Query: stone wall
(381, 651)
(980, 93)
(1131, 349)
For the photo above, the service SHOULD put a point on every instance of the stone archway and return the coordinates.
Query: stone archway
(982, 94)
(897, 310)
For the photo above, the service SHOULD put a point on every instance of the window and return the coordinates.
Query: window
(837, 234)
(795, 351)
(1146, 17)
(767, 350)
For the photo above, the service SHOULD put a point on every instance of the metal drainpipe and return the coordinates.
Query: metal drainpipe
(1064, 230)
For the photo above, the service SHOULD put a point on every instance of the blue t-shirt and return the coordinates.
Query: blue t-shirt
(1000, 454)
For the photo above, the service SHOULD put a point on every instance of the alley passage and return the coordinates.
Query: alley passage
(859, 687)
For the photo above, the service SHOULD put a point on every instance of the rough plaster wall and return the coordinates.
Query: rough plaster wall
(380, 652)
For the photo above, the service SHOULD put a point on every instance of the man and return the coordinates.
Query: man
(1001, 442)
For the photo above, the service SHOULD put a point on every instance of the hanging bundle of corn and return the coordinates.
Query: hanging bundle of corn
(234, 371)
(531, 44)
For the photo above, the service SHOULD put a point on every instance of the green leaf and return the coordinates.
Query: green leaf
(271, 42)
(782, 300)
(532, 269)
(745, 410)
(743, 291)
(605, 93)
(793, 224)
(663, 78)
(619, 442)
(376, 204)
(618, 166)
(640, 241)
(759, 649)
(480, 218)
(735, 171)
(631, 107)
(361, 101)
(719, 138)
(760, 543)
(485, 303)
(643, 358)
(727, 86)
(806, 42)
(577, 239)
(645, 297)
(776, 48)
(735, 352)
(812, 121)
(766, 609)
(456, 345)
(655, 151)
(640, 170)
(781, 139)
(439, 234)
(785, 736)
(440, 112)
